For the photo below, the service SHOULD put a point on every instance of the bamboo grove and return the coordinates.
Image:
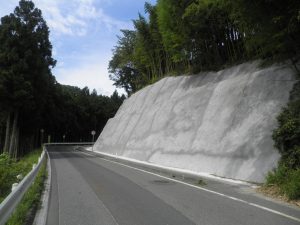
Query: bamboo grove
(189, 36)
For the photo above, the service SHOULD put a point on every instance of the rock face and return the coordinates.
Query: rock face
(217, 122)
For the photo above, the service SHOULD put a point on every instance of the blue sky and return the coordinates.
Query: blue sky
(83, 33)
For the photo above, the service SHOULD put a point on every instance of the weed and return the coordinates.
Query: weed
(201, 182)
(25, 211)
(11, 168)
(287, 180)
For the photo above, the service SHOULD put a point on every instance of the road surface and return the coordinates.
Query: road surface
(90, 190)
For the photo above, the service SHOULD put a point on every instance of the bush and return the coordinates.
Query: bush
(10, 168)
(287, 180)
(6, 175)
(287, 135)
(287, 140)
(292, 187)
(25, 211)
(278, 176)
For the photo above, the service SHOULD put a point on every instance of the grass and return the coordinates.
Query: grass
(25, 211)
(10, 168)
(201, 182)
(284, 182)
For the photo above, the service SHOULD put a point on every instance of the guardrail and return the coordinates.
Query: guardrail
(11, 201)
(69, 143)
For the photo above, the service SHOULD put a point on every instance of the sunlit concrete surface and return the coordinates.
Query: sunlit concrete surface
(217, 122)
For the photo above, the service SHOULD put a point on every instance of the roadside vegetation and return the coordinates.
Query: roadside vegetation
(25, 211)
(10, 168)
(285, 180)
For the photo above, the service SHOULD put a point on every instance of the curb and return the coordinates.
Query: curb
(42, 213)
(171, 171)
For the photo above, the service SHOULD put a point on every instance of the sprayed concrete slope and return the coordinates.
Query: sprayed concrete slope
(218, 122)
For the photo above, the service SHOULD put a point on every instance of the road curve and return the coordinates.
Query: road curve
(90, 190)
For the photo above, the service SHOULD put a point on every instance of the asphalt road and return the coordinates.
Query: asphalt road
(90, 190)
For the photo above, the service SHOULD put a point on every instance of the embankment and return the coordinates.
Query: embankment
(217, 122)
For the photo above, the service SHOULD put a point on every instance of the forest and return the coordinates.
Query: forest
(190, 36)
(33, 105)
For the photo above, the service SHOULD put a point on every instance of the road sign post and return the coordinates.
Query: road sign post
(42, 136)
(93, 134)
(93, 139)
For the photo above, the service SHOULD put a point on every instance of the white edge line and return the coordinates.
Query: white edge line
(109, 212)
(49, 186)
(201, 174)
(207, 190)
(42, 214)
(57, 185)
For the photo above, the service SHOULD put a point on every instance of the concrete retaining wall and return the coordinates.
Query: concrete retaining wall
(218, 122)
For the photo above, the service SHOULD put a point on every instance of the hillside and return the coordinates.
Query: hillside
(218, 122)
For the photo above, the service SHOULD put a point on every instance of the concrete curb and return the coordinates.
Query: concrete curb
(167, 170)
(42, 213)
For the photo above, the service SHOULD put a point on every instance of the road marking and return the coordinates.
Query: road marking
(109, 212)
(205, 189)
(57, 185)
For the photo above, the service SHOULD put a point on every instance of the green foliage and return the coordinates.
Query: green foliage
(30, 200)
(182, 36)
(6, 177)
(287, 135)
(25, 74)
(149, 52)
(287, 179)
(287, 141)
(272, 28)
(10, 168)
(201, 182)
(122, 67)
(75, 112)
(30, 97)
(25, 58)
(172, 27)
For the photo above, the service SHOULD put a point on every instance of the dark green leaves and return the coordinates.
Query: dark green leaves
(188, 36)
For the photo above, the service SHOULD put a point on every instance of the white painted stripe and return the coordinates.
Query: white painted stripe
(42, 213)
(207, 190)
(178, 170)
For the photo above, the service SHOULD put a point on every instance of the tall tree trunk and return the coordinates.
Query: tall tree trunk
(16, 144)
(1, 139)
(7, 134)
(13, 135)
(1, 149)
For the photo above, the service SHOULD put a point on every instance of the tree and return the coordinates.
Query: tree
(272, 28)
(173, 29)
(25, 75)
(189, 36)
(121, 67)
(149, 53)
